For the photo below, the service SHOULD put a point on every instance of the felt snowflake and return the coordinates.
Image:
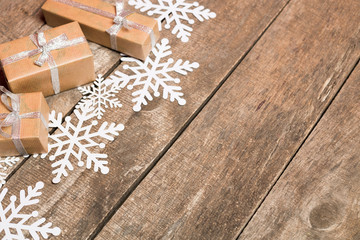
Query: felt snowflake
(100, 95)
(152, 74)
(176, 11)
(15, 223)
(4, 165)
(79, 141)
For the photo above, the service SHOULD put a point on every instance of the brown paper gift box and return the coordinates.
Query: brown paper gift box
(33, 133)
(75, 63)
(132, 42)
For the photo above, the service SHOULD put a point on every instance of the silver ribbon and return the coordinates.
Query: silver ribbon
(119, 20)
(13, 119)
(45, 48)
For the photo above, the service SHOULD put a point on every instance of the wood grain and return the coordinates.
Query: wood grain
(18, 20)
(104, 58)
(318, 196)
(84, 199)
(216, 174)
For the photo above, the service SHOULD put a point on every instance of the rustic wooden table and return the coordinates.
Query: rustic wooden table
(267, 146)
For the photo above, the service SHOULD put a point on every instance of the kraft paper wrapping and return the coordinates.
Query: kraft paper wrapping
(33, 133)
(75, 64)
(132, 42)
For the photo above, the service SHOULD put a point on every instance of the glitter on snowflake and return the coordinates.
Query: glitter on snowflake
(176, 11)
(152, 74)
(78, 141)
(13, 220)
(4, 165)
(100, 95)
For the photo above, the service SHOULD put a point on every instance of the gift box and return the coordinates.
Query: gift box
(23, 123)
(49, 62)
(108, 25)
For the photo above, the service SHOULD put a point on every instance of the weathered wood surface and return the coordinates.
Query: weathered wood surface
(19, 19)
(84, 199)
(216, 174)
(318, 196)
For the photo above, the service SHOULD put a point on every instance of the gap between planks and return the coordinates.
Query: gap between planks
(21, 163)
(106, 75)
(143, 217)
(132, 188)
(297, 150)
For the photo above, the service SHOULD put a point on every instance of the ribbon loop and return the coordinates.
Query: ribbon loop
(44, 48)
(14, 99)
(119, 19)
(41, 39)
(13, 119)
(120, 22)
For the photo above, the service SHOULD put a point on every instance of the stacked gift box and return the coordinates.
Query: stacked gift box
(59, 59)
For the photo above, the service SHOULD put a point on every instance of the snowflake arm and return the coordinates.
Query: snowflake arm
(11, 217)
(151, 76)
(77, 140)
(8, 162)
(175, 11)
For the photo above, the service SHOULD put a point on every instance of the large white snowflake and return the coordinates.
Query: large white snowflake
(177, 11)
(4, 165)
(152, 74)
(78, 141)
(14, 221)
(100, 95)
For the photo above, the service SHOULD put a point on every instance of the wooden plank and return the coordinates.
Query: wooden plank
(318, 195)
(84, 199)
(64, 102)
(18, 20)
(216, 174)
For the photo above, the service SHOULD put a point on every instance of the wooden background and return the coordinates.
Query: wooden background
(267, 146)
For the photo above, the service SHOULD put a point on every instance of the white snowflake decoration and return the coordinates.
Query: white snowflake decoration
(13, 220)
(78, 140)
(100, 95)
(177, 11)
(4, 165)
(153, 74)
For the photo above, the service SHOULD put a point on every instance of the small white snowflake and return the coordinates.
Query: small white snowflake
(100, 95)
(153, 74)
(13, 221)
(176, 11)
(4, 165)
(77, 140)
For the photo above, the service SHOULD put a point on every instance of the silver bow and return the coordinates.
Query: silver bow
(13, 118)
(120, 21)
(56, 43)
(45, 49)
